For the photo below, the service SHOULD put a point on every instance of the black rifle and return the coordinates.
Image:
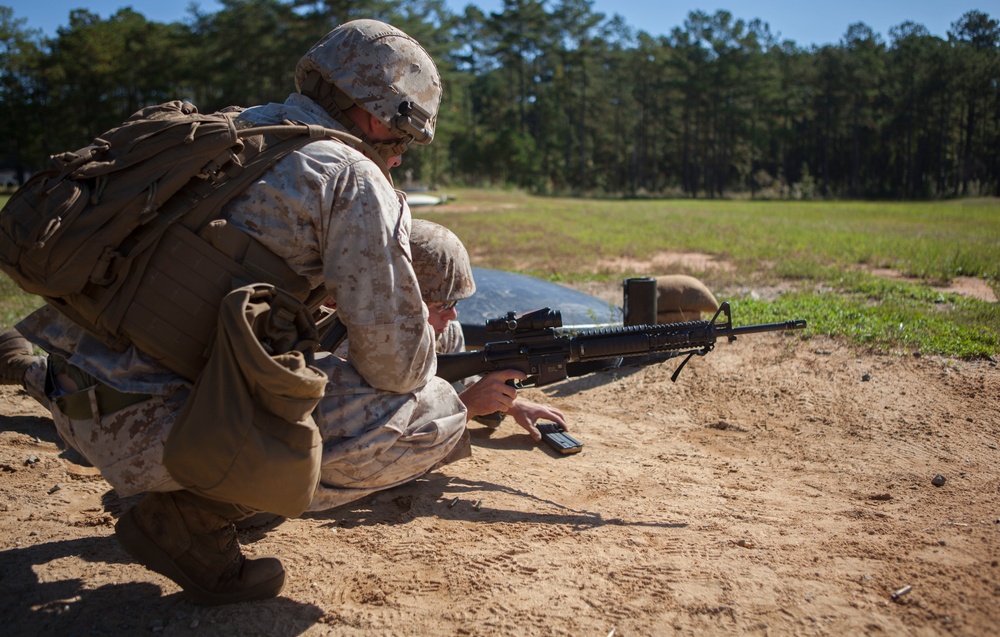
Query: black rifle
(534, 346)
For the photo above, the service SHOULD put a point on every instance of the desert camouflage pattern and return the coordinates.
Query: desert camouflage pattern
(379, 67)
(328, 211)
(129, 371)
(449, 342)
(127, 445)
(373, 440)
(441, 263)
(335, 219)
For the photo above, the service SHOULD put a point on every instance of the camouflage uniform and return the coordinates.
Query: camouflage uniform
(329, 212)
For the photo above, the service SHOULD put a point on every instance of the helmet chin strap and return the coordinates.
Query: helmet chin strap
(336, 103)
(388, 150)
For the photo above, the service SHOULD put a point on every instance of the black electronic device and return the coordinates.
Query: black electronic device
(555, 437)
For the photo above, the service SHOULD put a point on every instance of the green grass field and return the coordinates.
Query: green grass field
(821, 253)
(814, 260)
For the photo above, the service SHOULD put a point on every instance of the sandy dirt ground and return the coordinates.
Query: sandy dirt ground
(782, 486)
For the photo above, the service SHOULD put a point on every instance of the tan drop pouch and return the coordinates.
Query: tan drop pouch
(246, 435)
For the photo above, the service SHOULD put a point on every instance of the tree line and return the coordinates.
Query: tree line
(556, 98)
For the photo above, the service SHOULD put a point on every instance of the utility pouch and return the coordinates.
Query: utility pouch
(246, 435)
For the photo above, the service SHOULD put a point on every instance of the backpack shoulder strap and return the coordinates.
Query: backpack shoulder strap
(264, 147)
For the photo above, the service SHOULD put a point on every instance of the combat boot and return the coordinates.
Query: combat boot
(16, 356)
(184, 537)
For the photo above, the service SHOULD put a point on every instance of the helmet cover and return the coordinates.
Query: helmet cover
(382, 70)
(440, 262)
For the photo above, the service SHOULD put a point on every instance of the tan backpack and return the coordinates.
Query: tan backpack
(123, 236)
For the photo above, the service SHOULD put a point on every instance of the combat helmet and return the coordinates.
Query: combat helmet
(382, 70)
(441, 263)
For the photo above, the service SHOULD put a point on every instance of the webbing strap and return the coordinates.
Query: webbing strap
(94, 395)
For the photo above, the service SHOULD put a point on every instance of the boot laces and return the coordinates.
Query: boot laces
(230, 546)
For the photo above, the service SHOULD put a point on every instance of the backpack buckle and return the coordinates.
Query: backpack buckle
(102, 273)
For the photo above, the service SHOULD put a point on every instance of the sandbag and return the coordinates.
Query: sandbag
(680, 298)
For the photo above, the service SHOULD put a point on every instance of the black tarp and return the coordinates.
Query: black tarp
(498, 293)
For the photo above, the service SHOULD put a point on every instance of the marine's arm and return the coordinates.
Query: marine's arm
(491, 393)
(367, 270)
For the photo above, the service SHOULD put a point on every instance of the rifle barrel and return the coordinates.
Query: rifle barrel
(768, 327)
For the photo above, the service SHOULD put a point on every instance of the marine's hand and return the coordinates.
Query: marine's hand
(491, 393)
(527, 413)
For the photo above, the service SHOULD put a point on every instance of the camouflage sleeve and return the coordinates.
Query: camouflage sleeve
(368, 271)
(336, 220)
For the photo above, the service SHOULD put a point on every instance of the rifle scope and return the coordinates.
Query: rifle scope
(533, 321)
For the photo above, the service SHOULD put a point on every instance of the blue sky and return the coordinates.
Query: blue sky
(803, 21)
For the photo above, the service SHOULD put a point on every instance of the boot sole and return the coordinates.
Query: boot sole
(137, 544)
